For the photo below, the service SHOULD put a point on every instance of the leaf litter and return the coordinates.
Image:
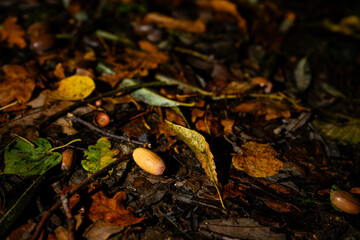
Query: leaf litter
(258, 81)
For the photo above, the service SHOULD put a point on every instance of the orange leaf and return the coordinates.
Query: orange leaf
(197, 26)
(112, 210)
(12, 33)
(257, 160)
(18, 83)
(228, 125)
(224, 6)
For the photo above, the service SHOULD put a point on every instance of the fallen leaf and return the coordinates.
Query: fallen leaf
(133, 63)
(270, 108)
(99, 155)
(23, 159)
(101, 230)
(278, 207)
(18, 83)
(344, 132)
(112, 210)
(228, 125)
(197, 26)
(151, 98)
(302, 75)
(72, 88)
(240, 228)
(257, 160)
(224, 6)
(198, 145)
(12, 33)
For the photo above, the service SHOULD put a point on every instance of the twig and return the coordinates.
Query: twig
(76, 188)
(123, 90)
(65, 204)
(93, 127)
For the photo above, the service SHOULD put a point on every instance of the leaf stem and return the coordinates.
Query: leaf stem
(25, 140)
(59, 147)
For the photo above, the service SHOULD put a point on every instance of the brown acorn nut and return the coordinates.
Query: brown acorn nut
(102, 119)
(345, 202)
(149, 161)
(67, 160)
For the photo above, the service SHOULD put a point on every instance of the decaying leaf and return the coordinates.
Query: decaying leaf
(73, 88)
(198, 145)
(99, 155)
(302, 75)
(133, 63)
(23, 159)
(270, 108)
(240, 228)
(197, 26)
(257, 160)
(278, 207)
(18, 83)
(112, 210)
(345, 132)
(149, 97)
(12, 33)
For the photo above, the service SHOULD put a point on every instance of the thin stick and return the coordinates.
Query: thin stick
(93, 127)
(76, 188)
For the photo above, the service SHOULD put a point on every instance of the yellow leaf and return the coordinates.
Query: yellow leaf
(257, 160)
(72, 88)
(198, 145)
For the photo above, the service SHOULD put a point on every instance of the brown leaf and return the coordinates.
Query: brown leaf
(270, 108)
(12, 33)
(257, 160)
(278, 207)
(18, 84)
(134, 62)
(197, 26)
(228, 125)
(112, 210)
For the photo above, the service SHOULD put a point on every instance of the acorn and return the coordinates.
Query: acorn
(345, 202)
(149, 161)
(102, 119)
(67, 160)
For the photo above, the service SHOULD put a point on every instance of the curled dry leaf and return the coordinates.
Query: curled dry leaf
(198, 145)
(257, 160)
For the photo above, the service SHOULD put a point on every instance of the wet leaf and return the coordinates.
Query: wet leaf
(152, 98)
(278, 207)
(112, 210)
(12, 33)
(101, 230)
(302, 75)
(257, 160)
(18, 83)
(197, 26)
(23, 159)
(198, 145)
(99, 155)
(344, 133)
(73, 88)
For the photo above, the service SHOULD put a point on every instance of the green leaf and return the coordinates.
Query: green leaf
(198, 145)
(99, 155)
(343, 132)
(151, 98)
(302, 75)
(23, 159)
(14, 212)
